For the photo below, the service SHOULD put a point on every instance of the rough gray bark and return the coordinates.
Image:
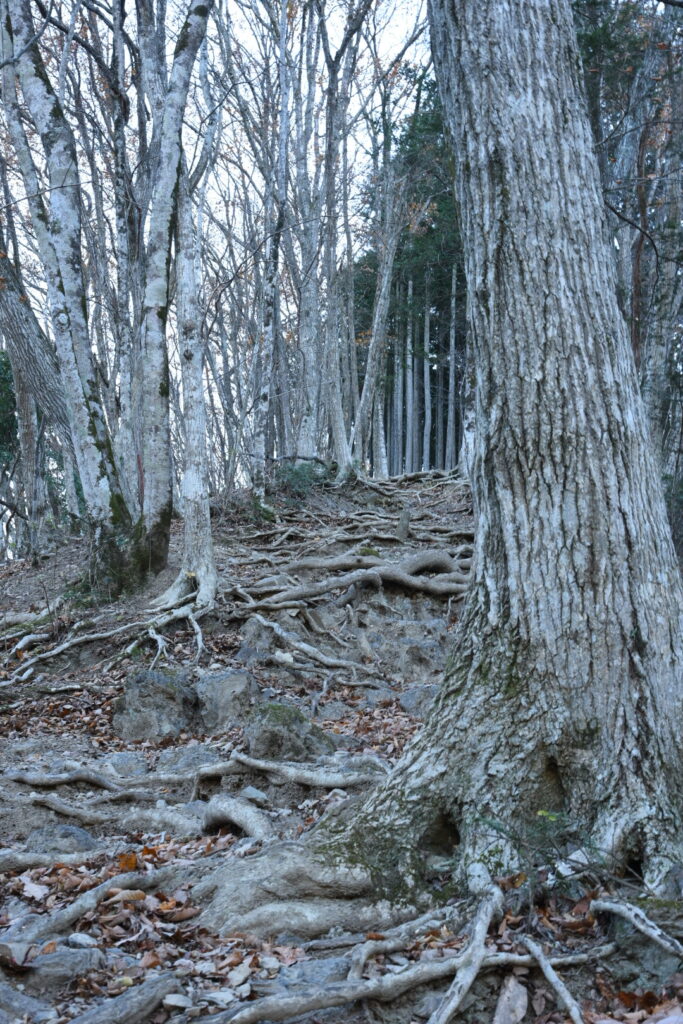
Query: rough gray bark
(29, 348)
(564, 689)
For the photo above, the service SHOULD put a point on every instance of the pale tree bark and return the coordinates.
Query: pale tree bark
(380, 464)
(308, 227)
(337, 99)
(426, 386)
(197, 574)
(663, 301)
(629, 190)
(397, 435)
(157, 499)
(451, 453)
(466, 401)
(410, 385)
(391, 224)
(276, 224)
(58, 231)
(29, 348)
(32, 533)
(564, 689)
(128, 298)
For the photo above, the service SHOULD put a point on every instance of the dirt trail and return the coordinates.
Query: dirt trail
(135, 765)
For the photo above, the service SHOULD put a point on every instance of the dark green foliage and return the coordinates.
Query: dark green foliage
(9, 437)
(428, 250)
(297, 480)
(430, 245)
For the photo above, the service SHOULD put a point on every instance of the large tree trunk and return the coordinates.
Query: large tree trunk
(564, 690)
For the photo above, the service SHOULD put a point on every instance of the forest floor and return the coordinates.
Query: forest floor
(140, 750)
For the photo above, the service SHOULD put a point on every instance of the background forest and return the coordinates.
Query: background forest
(230, 257)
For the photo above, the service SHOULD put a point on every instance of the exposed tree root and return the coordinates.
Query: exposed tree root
(222, 809)
(453, 580)
(384, 988)
(42, 779)
(186, 612)
(640, 920)
(471, 960)
(133, 1006)
(83, 814)
(320, 777)
(8, 619)
(291, 887)
(565, 998)
(16, 860)
(308, 650)
(189, 587)
(34, 928)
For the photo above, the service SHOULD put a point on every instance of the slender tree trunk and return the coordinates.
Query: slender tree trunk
(467, 417)
(451, 450)
(59, 240)
(410, 385)
(391, 223)
(397, 420)
(198, 571)
(309, 345)
(32, 534)
(439, 447)
(427, 386)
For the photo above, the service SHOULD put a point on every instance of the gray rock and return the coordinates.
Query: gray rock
(255, 796)
(417, 699)
(127, 762)
(421, 657)
(196, 808)
(52, 970)
(5, 1018)
(303, 974)
(247, 654)
(16, 1004)
(638, 962)
(373, 697)
(333, 711)
(221, 997)
(176, 1001)
(60, 839)
(186, 759)
(79, 940)
(224, 698)
(155, 705)
(280, 732)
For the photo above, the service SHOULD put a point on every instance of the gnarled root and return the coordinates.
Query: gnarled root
(471, 960)
(639, 920)
(292, 887)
